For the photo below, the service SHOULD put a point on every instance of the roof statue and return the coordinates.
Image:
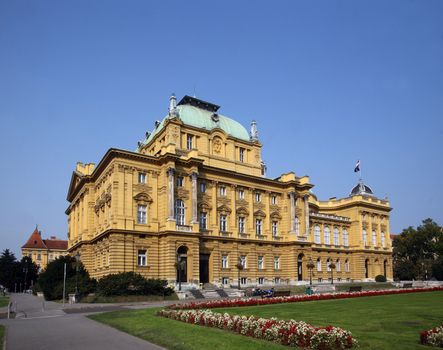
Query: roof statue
(254, 132)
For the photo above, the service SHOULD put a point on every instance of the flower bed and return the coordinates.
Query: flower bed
(294, 298)
(290, 333)
(433, 337)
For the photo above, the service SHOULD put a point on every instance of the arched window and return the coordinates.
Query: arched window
(317, 234)
(345, 238)
(327, 237)
(374, 238)
(179, 212)
(347, 265)
(337, 265)
(328, 262)
(365, 237)
(336, 236)
(383, 239)
(318, 264)
(297, 225)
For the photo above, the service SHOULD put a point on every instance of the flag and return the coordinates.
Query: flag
(357, 167)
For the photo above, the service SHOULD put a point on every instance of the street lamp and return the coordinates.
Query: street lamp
(332, 267)
(77, 259)
(310, 265)
(25, 270)
(239, 267)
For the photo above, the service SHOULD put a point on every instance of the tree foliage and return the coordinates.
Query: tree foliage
(17, 275)
(131, 283)
(50, 281)
(418, 252)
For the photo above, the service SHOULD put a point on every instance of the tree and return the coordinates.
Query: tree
(16, 275)
(50, 281)
(418, 253)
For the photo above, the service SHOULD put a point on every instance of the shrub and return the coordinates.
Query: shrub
(380, 278)
(50, 281)
(131, 283)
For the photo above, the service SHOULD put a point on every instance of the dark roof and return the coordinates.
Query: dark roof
(188, 100)
(361, 188)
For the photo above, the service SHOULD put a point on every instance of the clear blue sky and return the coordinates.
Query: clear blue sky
(329, 82)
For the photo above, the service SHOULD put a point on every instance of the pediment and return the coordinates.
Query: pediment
(275, 215)
(205, 206)
(224, 209)
(260, 213)
(73, 185)
(143, 197)
(242, 211)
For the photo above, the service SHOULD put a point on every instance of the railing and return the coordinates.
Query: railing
(328, 216)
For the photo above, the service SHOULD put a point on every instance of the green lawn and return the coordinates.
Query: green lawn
(382, 322)
(4, 301)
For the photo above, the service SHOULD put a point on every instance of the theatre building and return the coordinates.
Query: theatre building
(193, 201)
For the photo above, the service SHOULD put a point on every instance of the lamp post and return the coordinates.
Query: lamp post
(25, 270)
(332, 267)
(239, 267)
(310, 265)
(77, 260)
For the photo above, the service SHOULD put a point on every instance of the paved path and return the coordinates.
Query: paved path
(41, 326)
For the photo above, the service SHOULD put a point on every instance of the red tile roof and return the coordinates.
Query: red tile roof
(56, 244)
(35, 241)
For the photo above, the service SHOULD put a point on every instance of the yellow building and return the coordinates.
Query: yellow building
(43, 251)
(195, 190)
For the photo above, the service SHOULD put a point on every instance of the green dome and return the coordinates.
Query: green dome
(204, 119)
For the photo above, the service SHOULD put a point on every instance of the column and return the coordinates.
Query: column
(292, 199)
(170, 173)
(194, 197)
(306, 199)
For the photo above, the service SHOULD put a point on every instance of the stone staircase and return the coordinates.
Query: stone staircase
(214, 293)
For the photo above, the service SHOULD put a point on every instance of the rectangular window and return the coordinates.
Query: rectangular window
(223, 221)
(141, 178)
(276, 263)
(258, 226)
(223, 191)
(243, 261)
(345, 238)
(142, 214)
(260, 263)
(225, 281)
(243, 280)
(241, 224)
(277, 280)
(336, 236)
(374, 238)
(225, 262)
(337, 265)
(347, 265)
(242, 155)
(261, 280)
(258, 197)
(274, 199)
(202, 187)
(275, 228)
(383, 243)
(365, 237)
(142, 258)
(179, 181)
(203, 220)
(241, 194)
(189, 140)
